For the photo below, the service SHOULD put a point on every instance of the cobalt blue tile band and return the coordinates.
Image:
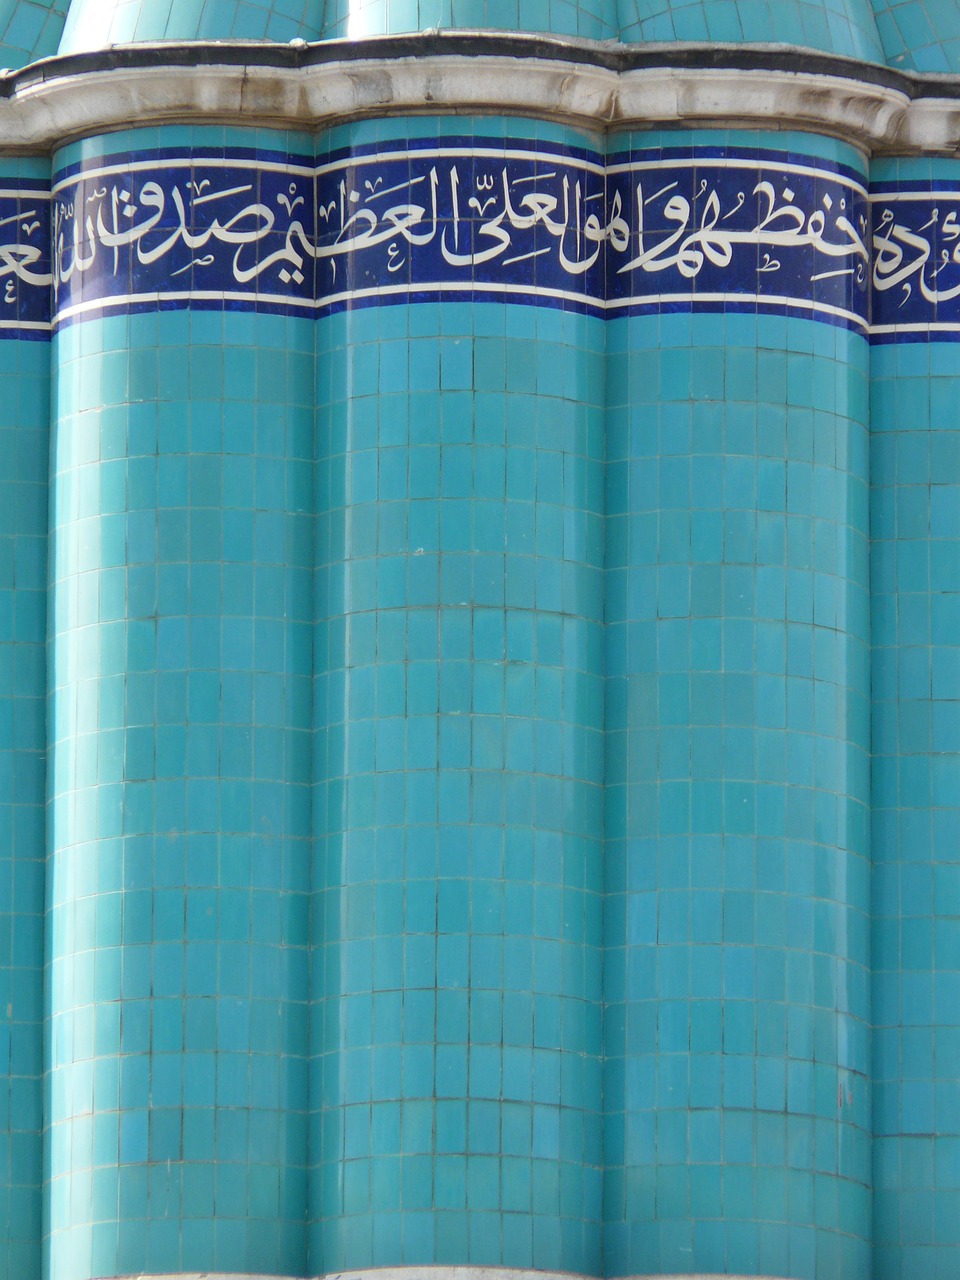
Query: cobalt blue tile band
(712, 230)
(25, 276)
(717, 231)
(916, 259)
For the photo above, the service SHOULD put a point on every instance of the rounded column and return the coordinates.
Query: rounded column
(179, 812)
(737, 1089)
(915, 568)
(456, 1015)
(24, 447)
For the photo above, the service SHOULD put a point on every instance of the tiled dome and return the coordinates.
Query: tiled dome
(94, 24)
(920, 35)
(29, 29)
(835, 26)
(588, 19)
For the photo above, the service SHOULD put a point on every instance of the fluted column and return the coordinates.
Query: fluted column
(737, 1085)
(456, 1019)
(179, 814)
(915, 460)
(24, 446)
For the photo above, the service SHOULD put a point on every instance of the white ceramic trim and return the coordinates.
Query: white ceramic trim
(879, 119)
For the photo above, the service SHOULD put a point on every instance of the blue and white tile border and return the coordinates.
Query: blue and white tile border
(672, 230)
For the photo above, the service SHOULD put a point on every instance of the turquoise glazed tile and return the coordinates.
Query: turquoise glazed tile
(845, 27)
(459, 753)
(920, 35)
(24, 447)
(737, 859)
(94, 24)
(180, 727)
(915, 464)
(30, 29)
(589, 19)
(459, 815)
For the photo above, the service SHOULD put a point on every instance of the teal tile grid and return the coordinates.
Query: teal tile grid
(24, 448)
(845, 27)
(587, 19)
(456, 1066)
(920, 35)
(95, 24)
(915, 574)
(30, 29)
(179, 814)
(736, 978)
(747, 841)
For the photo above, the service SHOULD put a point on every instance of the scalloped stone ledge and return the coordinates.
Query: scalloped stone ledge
(575, 83)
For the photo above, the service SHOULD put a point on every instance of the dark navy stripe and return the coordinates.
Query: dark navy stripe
(735, 230)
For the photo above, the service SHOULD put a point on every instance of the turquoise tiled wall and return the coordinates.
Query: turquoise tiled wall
(920, 35)
(590, 19)
(178, 911)
(30, 29)
(93, 24)
(24, 444)
(847, 27)
(736, 979)
(915, 463)
(459, 768)
(459, 722)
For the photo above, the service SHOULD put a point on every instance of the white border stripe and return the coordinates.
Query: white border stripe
(435, 1273)
(187, 161)
(134, 299)
(468, 153)
(467, 287)
(484, 153)
(883, 197)
(716, 162)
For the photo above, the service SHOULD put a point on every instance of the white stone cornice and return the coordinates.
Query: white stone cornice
(592, 86)
(863, 114)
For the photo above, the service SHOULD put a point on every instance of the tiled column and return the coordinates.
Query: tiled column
(180, 712)
(915, 472)
(24, 446)
(456, 1024)
(737, 961)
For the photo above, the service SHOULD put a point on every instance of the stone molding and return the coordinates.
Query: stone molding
(593, 85)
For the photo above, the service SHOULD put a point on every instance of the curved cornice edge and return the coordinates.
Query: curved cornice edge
(593, 85)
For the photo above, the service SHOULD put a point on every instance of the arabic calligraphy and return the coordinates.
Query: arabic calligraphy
(182, 231)
(25, 275)
(475, 219)
(728, 230)
(916, 261)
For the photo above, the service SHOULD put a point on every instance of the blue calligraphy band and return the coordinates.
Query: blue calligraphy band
(25, 276)
(916, 261)
(714, 230)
